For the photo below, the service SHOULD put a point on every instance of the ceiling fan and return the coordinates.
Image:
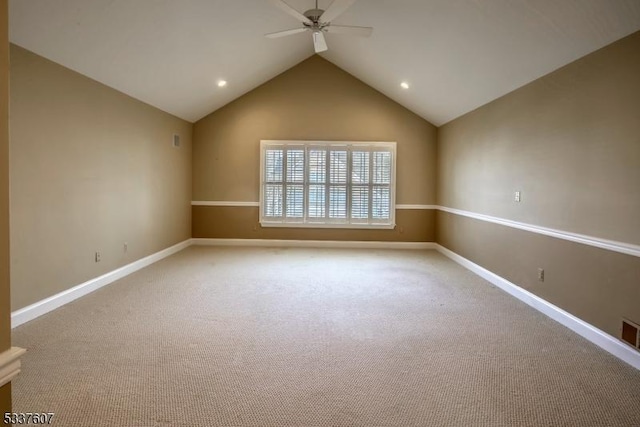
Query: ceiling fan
(318, 21)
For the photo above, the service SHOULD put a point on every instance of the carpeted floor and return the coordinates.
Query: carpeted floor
(314, 337)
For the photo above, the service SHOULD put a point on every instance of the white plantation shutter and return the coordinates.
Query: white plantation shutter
(273, 197)
(360, 167)
(317, 183)
(381, 200)
(273, 168)
(337, 201)
(338, 180)
(327, 184)
(360, 184)
(273, 183)
(317, 201)
(381, 203)
(294, 183)
(381, 167)
(295, 201)
(295, 166)
(360, 202)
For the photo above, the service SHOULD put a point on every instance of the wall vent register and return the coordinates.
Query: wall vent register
(631, 333)
(322, 184)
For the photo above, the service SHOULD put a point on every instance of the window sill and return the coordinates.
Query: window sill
(268, 224)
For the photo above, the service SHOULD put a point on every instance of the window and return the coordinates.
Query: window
(327, 184)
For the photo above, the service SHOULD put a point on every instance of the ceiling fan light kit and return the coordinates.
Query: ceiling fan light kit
(318, 21)
(319, 43)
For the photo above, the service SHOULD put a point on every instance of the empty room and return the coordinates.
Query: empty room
(320, 213)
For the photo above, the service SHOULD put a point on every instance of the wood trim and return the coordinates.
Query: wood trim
(10, 364)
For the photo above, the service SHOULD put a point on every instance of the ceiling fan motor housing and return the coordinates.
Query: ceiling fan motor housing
(314, 14)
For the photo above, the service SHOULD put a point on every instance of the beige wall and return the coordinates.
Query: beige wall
(5, 310)
(414, 225)
(570, 142)
(91, 169)
(313, 101)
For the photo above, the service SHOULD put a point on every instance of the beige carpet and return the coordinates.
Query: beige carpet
(310, 337)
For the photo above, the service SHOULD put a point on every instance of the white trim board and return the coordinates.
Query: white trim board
(10, 364)
(417, 207)
(257, 204)
(577, 325)
(611, 245)
(313, 244)
(222, 203)
(46, 305)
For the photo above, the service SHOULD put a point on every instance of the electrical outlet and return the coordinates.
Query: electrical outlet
(516, 196)
(97, 256)
(125, 247)
(541, 274)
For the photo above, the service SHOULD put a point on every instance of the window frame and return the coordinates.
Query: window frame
(308, 222)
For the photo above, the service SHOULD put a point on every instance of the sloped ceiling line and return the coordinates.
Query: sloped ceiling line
(457, 55)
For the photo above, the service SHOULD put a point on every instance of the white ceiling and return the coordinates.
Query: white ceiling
(456, 54)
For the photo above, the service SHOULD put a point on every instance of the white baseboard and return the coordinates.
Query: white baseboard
(10, 364)
(577, 325)
(313, 244)
(46, 305)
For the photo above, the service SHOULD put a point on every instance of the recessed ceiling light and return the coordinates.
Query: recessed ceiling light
(404, 85)
(222, 83)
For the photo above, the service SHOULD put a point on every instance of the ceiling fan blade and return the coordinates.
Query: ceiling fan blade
(335, 9)
(291, 11)
(286, 33)
(347, 29)
(319, 43)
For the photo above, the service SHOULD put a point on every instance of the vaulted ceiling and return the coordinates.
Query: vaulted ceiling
(456, 55)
